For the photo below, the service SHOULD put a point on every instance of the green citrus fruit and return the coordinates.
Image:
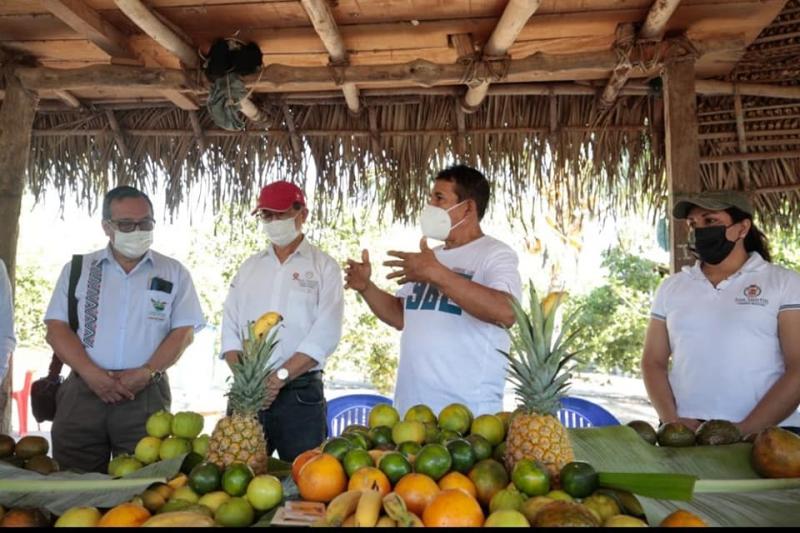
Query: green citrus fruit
(462, 454)
(420, 413)
(578, 479)
(506, 518)
(236, 512)
(446, 435)
(147, 450)
(200, 444)
(383, 415)
(358, 440)
(489, 477)
(507, 499)
(381, 435)
(434, 461)
(431, 433)
(505, 416)
(205, 478)
(173, 447)
(159, 424)
(337, 447)
(128, 465)
(409, 449)
(264, 492)
(499, 452)
(531, 478)
(395, 466)
(354, 428)
(408, 431)
(481, 447)
(355, 460)
(191, 461)
(489, 427)
(187, 424)
(213, 500)
(455, 417)
(236, 478)
(559, 495)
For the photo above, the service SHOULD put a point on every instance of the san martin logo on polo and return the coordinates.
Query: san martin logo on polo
(752, 296)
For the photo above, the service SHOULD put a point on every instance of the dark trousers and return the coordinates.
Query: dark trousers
(296, 421)
(86, 430)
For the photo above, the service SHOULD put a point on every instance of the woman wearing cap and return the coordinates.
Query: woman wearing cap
(730, 323)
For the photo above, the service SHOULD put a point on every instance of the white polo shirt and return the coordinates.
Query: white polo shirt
(446, 354)
(121, 320)
(726, 352)
(307, 290)
(7, 340)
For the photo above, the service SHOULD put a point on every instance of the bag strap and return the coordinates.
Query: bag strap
(72, 310)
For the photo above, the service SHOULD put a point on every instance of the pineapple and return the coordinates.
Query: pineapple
(538, 370)
(239, 438)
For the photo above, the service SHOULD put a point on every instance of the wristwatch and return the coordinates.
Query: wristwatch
(155, 375)
(282, 374)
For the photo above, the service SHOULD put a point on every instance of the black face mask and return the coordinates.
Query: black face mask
(711, 244)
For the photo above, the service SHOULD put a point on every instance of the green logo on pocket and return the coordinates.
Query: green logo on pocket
(158, 305)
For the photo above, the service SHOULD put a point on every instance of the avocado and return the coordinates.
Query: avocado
(6, 446)
(675, 435)
(644, 430)
(42, 464)
(32, 446)
(716, 432)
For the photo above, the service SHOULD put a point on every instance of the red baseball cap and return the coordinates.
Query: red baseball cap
(279, 196)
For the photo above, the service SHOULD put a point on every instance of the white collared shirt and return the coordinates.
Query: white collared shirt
(307, 290)
(7, 340)
(121, 319)
(726, 352)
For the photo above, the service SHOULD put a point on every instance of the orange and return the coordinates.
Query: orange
(453, 508)
(321, 479)
(301, 460)
(490, 477)
(125, 515)
(681, 518)
(418, 491)
(370, 478)
(457, 480)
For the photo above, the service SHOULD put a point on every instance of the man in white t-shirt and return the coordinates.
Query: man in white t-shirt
(453, 305)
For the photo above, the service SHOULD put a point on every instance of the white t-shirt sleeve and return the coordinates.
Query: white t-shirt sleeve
(186, 310)
(231, 327)
(659, 309)
(58, 309)
(502, 272)
(7, 340)
(404, 291)
(321, 340)
(790, 295)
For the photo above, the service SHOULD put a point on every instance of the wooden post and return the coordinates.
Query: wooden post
(16, 124)
(682, 147)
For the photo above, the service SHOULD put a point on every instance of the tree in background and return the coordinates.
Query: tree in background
(33, 292)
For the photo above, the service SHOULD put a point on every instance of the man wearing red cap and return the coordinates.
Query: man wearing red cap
(302, 283)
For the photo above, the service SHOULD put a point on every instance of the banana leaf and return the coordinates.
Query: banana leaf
(719, 469)
(59, 491)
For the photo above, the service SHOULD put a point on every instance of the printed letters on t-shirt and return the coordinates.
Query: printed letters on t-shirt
(426, 297)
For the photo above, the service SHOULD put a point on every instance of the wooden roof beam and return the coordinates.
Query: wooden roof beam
(321, 16)
(119, 136)
(90, 24)
(68, 98)
(513, 19)
(652, 30)
(153, 26)
(180, 100)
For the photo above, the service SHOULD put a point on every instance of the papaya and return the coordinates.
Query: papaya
(776, 453)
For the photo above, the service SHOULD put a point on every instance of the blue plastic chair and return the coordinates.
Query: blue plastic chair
(580, 413)
(352, 409)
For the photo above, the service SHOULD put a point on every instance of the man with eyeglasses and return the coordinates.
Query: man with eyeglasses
(137, 313)
(303, 284)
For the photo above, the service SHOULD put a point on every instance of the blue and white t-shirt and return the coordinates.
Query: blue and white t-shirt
(447, 355)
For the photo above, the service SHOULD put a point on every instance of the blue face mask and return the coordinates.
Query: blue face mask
(711, 244)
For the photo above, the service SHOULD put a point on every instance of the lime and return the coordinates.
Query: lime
(395, 466)
(191, 461)
(236, 512)
(159, 424)
(147, 450)
(506, 518)
(173, 447)
(358, 440)
(455, 417)
(434, 461)
(355, 460)
(431, 433)
(490, 427)
(462, 454)
(235, 479)
(204, 478)
(420, 413)
(405, 431)
(578, 479)
(383, 415)
(337, 447)
(446, 435)
(176, 505)
(187, 424)
(264, 492)
(531, 477)
(354, 428)
(200, 444)
(481, 447)
(409, 449)
(509, 498)
(381, 435)
(499, 452)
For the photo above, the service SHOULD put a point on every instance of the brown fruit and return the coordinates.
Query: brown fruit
(24, 518)
(125, 515)
(776, 453)
(6, 446)
(42, 464)
(565, 514)
(31, 446)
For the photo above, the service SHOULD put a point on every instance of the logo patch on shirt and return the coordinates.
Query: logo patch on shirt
(159, 309)
(752, 295)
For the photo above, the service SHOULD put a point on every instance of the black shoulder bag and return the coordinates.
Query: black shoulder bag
(43, 390)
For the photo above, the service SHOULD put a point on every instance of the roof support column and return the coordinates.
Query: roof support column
(682, 148)
(16, 125)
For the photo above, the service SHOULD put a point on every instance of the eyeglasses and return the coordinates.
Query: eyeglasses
(127, 226)
(269, 216)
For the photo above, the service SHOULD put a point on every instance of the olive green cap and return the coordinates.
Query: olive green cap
(713, 200)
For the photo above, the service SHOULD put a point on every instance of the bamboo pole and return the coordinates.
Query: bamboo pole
(200, 137)
(658, 16)
(297, 144)
(778, 188)
(514, 17)
(714, 87)
(742, 138)
(141, 15)
(751, 156)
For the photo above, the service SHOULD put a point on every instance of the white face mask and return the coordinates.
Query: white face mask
(134, 244)
(280, 232)
(435, 222)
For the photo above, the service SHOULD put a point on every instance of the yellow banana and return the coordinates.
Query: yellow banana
(369, 508)
(415, 520)
(341, 507)
(385, 521)
(178, 481)
(266, 322)
(350, 522)
(396, 508)
(179, 519)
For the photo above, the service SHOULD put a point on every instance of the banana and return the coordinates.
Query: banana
(266, 322)
(415, 520)
(396, 508)
(385, 521)
(179, 519)
(178, 481)
(350, 522)
(369, 508)
(341, 507)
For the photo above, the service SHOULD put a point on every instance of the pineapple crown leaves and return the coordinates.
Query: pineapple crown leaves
(538, 363)
(251, 369)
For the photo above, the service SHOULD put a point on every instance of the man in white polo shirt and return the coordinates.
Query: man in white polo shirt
(730, 325)
(7, 339)
(137, 313)
(296, 279)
